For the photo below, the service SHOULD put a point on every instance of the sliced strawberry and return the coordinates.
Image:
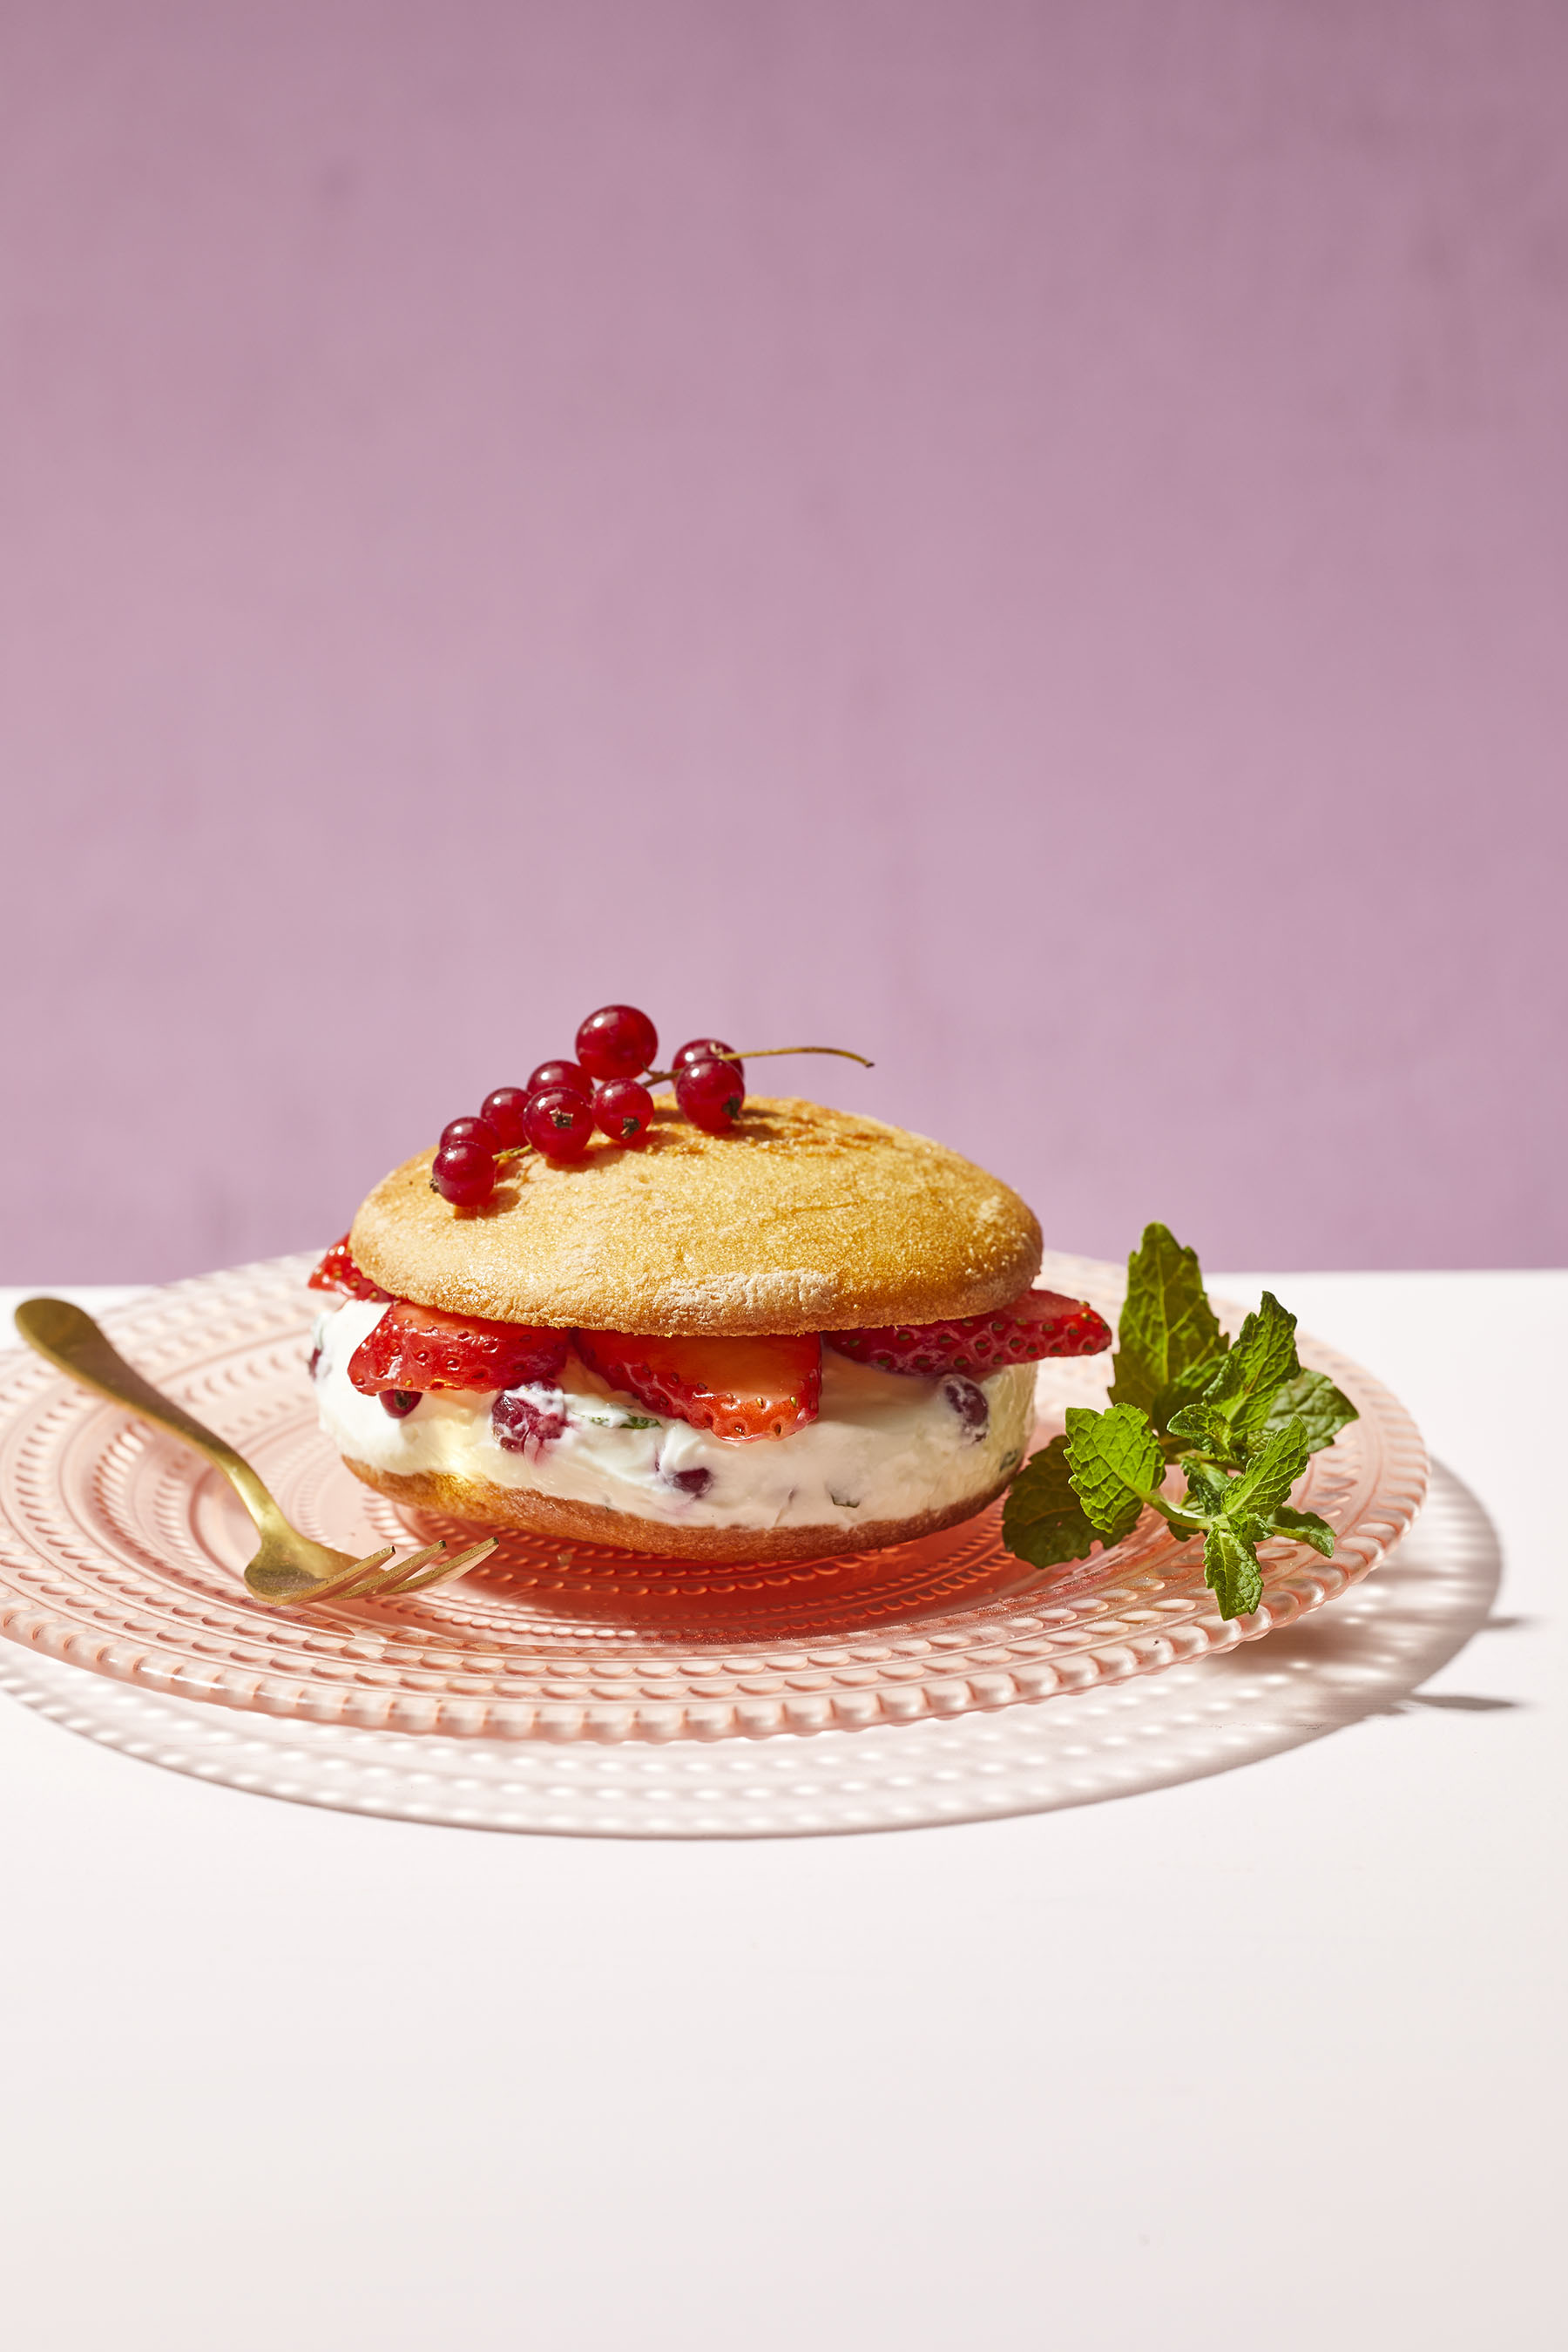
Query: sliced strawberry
(417, 1348)
(338, 1270)
(1040, 1323)
(739, 1389)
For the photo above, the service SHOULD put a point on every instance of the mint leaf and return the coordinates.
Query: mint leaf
(1204, 1427)
(1043, 1520)
(1231, 1570)
(1115, 1464)
(1271, 1471)
(1236, 1402)
(1166, 1325)
(1307, 1527)
(1266, 1349)
(1264, 1355)
(1204, 1497)
(1312, 1399)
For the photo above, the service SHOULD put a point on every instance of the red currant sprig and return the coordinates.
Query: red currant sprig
(557, 1113)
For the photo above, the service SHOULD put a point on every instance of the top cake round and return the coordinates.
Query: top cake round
(799, 1219)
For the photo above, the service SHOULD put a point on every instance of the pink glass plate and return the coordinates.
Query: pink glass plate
(121, 1552)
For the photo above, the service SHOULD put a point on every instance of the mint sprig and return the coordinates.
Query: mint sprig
(1239, 1421)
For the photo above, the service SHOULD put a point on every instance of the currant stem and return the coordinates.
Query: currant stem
(764, 1053)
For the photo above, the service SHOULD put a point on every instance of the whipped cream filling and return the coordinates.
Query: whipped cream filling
(883, 1447)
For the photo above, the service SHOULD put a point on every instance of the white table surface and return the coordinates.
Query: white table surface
(1270, 2060)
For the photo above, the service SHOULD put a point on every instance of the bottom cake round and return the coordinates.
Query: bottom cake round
(481, 1503)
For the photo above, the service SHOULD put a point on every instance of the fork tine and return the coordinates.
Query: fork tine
(364, 1578)
(417, 1560)
(333, 1587)
(404, 1583)
(357, 1588)
(396, 1583)
(380, 1579)
(477, 1551)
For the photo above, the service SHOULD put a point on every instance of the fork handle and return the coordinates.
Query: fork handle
(71, 1340)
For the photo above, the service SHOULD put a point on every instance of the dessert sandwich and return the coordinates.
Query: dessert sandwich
(706, 1326)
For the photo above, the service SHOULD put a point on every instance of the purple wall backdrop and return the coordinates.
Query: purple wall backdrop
(1028, 539)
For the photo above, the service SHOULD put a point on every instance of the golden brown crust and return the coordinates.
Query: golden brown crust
(802, 1219)
(483, 1505)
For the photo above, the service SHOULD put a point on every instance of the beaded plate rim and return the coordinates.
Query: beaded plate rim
(1373, 1656)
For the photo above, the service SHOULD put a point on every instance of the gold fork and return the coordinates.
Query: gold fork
(288, 1566)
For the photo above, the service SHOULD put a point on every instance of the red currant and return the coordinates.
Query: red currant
(503, 1110)
(703, 1049)
(464, 1173)
(398, 1403)
(470, 1131)
(560, 1123)
(711, 1093)
(616, 1042)
(623, 1111)
(521, 1421)
(562, 1073)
